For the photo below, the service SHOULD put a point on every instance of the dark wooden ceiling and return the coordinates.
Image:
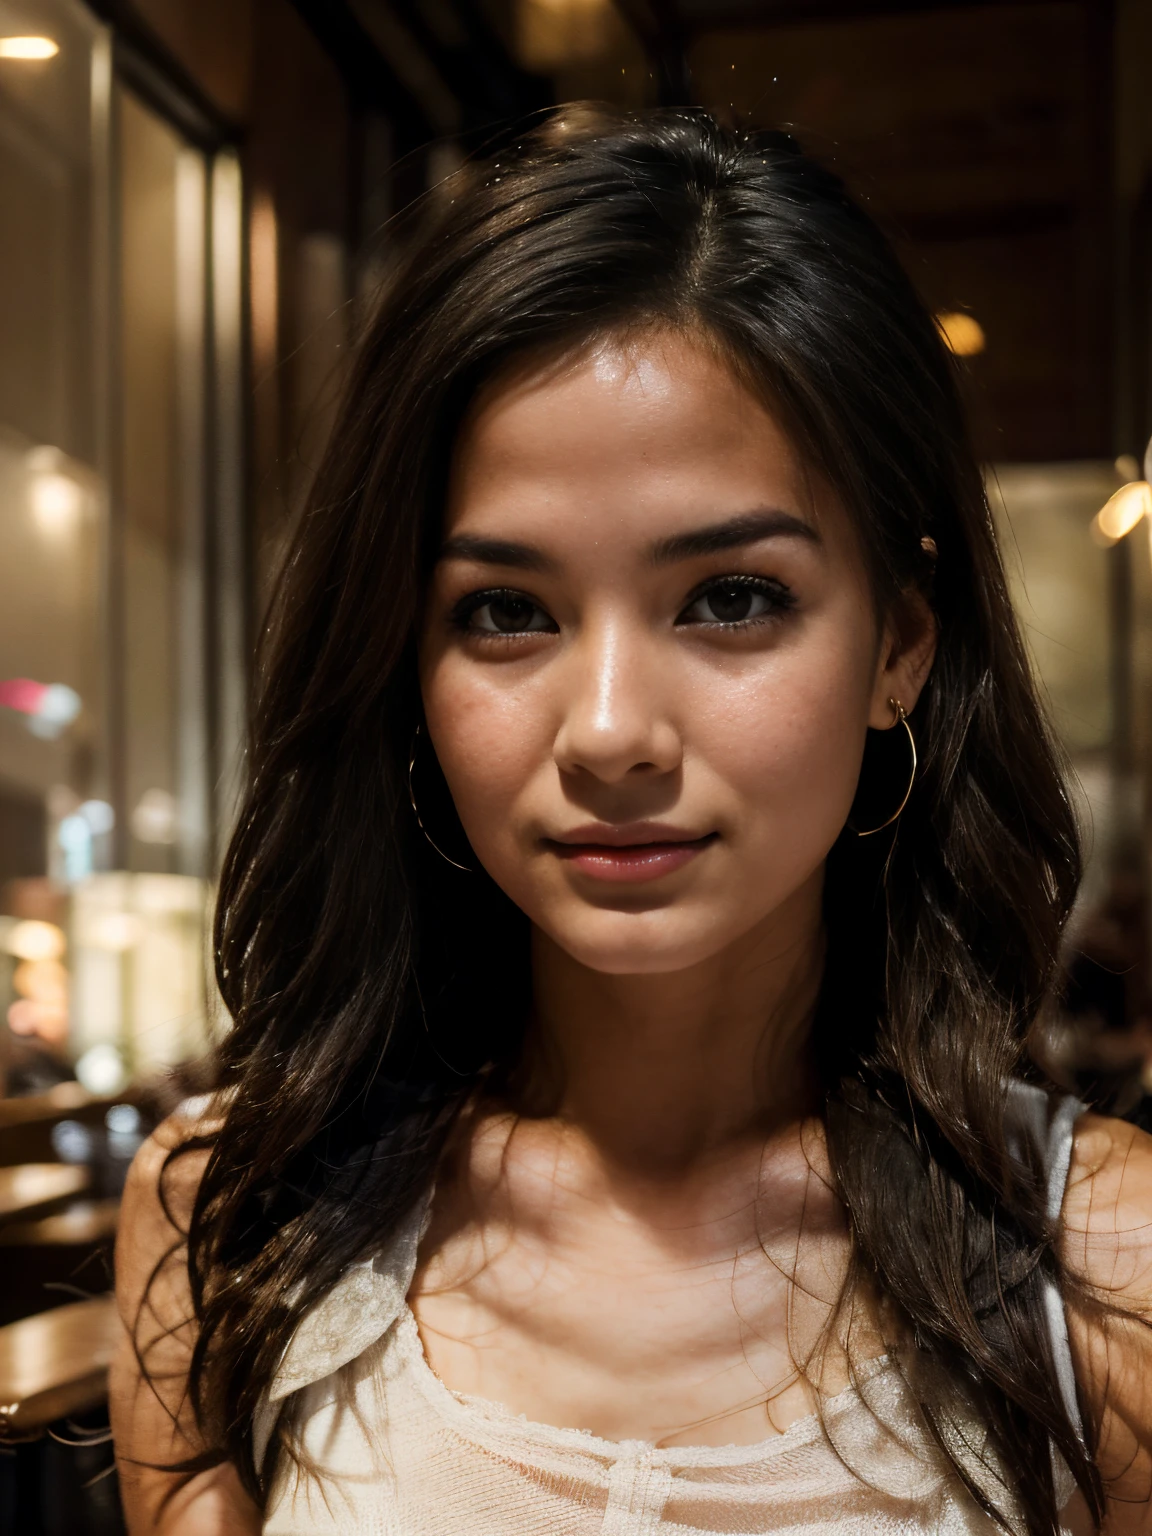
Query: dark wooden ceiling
(979, 135)
(977, 131)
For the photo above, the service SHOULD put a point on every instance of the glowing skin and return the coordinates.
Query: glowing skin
(649, 660)
(625, 711)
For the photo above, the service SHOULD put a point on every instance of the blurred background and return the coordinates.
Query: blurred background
(196, 197)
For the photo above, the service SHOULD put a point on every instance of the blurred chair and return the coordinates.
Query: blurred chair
(53, 1457)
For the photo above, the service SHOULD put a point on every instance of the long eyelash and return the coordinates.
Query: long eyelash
(782, 597)
(463, 610)
(460, 617)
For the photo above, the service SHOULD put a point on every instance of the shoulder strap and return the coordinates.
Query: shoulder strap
(1047, 1122)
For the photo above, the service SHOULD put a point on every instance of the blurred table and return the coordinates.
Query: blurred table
(27, 1188)
(83, 1223)
(55, 1364)
(63, 1099)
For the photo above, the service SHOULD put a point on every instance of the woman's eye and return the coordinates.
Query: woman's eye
(505, 613)
(736, 600)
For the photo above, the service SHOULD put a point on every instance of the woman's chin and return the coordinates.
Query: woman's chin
(639, 944)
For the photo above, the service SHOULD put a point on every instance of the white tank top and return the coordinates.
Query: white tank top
(386, 1449)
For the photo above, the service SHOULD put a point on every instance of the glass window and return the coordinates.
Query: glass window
(160, 473)
(53, 486)
(1059, 582)
(119, 699)
(1064, 584)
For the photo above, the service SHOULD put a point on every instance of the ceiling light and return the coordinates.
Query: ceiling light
(28, 48)
(963, 333)
(1121, 512)
(57, 504)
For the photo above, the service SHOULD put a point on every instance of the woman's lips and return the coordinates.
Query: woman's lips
(630, 861)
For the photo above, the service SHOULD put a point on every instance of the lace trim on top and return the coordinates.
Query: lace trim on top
(472, 1416)
(371, 1297)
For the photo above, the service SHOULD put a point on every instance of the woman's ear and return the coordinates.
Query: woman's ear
(907, 651)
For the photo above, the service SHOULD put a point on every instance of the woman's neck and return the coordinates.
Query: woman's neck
(665, 1072)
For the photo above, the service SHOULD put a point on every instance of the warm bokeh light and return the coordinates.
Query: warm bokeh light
(1128, 467)
(156, 818)
(45, 1021)
(963, 333)
(1121, 512)
(264, 265)
(57, 504)
(114, 932)
(553, 33)
(33, 940)
(44, 981)
(28, 48)
(101, 1069)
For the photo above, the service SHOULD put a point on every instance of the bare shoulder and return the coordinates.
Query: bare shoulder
(152, 1420)
(1107, 1249)
(152, 1289)
(177, 1151)
(158, 1198)
(1108, 1211)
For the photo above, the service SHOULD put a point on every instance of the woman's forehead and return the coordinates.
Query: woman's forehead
(652, 375)
(654, 426)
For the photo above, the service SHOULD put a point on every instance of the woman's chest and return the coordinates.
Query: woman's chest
(388, 1450)
(625, 1333)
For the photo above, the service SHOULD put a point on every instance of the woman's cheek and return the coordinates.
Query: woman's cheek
(791, 752)
(486, 747)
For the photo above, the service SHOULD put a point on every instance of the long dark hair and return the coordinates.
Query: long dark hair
(372, 987)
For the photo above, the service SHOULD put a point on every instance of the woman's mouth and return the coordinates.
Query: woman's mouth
(628, 854)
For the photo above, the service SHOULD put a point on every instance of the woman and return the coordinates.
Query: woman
(653, 865)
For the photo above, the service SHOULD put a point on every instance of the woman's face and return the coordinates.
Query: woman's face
(650, 654)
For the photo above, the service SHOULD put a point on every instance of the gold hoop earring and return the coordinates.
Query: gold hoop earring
(901, 719)
(416, 809)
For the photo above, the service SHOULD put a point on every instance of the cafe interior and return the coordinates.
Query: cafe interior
(199, 205)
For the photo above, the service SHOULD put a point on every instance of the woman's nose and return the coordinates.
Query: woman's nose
(615, 721)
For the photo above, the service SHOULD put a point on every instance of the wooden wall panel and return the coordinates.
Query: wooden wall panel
(980, 138)
(213, 40)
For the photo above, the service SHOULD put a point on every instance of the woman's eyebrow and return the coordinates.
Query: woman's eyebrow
(486, 551)
(732, 533)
